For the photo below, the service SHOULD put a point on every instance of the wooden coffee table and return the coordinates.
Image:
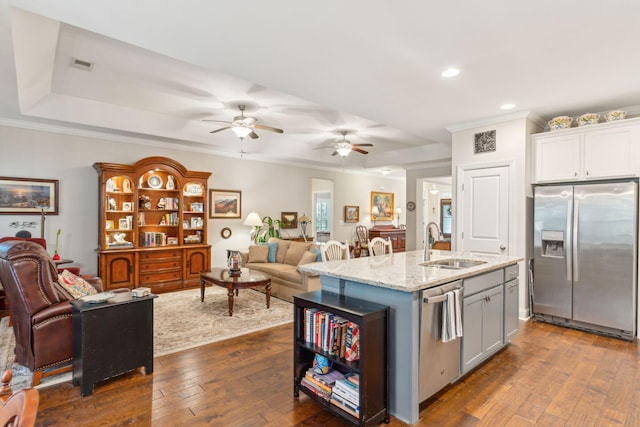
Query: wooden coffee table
(247, 279)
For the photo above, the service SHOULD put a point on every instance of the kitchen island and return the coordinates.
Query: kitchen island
(398, 280)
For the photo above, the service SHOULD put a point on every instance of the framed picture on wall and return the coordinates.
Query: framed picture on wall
(28, 196)
(381, 206)
(225, 204)
(289, 220)
(351, 213)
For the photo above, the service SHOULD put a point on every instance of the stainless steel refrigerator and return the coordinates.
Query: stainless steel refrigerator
(585, 256)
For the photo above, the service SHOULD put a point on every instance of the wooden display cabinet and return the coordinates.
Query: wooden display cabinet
(153, 225)
(396, 235)
(372, 366)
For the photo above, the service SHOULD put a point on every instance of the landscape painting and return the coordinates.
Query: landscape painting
(28, 196)
(225, 204)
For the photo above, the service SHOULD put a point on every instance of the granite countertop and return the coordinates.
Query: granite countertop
(403, 272)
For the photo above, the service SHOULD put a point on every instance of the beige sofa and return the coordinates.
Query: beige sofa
(286, 279)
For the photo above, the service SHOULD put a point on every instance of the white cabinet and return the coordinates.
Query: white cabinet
(511, 293)
(482, 318)
(602, 151)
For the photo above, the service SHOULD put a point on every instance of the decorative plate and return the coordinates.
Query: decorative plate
(154, 181)
(225, 233)
(411, 206)
(98, 298)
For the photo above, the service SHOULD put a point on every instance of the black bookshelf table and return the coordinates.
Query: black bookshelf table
(111, 338)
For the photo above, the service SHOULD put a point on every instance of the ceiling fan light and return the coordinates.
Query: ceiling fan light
(343, 148)
(241, 131)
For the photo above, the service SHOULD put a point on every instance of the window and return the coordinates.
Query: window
(322, 216)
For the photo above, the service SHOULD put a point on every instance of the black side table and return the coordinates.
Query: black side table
(111, 338)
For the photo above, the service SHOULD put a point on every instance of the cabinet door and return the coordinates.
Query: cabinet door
(557, 158)
(196, 260)
(117, 270)
(472, 330)
(492, 320)
(611, 153)
(510, 309)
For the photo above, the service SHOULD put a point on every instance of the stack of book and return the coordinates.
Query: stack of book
(321, 384)
(346, 394)
(332, 334)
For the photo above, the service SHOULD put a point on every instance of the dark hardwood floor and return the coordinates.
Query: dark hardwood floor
(548, 376)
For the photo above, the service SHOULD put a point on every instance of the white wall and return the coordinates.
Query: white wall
(512, 142)
(266, 188)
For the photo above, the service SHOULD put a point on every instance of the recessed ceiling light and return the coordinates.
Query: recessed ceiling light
(507, 106)
(450, 72)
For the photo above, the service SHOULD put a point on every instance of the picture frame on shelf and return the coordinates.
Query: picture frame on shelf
(123, 224)
(28, 196)
(288, 220)
(197, 207)
(384, 204)
(172, 240)
(127, 206)
(192, 189)
(108, 225)
(185, 224)
(351, 213)
(225, 203)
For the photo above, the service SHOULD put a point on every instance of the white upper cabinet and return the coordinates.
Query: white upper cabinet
(602, 151)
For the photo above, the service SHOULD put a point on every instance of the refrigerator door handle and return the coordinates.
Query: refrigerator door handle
(574, 243)
(568, 250)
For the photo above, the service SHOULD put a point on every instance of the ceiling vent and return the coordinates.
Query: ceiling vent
(83, 65)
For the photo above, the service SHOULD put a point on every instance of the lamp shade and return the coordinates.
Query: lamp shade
(375, 211)
(253, 220)
(304, 218)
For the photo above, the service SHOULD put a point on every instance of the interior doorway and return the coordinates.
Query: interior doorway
(436, 195)
(322, 208)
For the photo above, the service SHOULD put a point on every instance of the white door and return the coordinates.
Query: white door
(485, 210)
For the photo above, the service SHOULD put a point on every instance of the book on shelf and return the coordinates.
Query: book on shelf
(332, 334)
(335, 400)
(327, 379)
(315, 389)
(344, 392)
(317, 384)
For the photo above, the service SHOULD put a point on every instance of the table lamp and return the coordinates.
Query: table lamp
(374, 213)
(398, 212)
(253, 220)
(304, 220)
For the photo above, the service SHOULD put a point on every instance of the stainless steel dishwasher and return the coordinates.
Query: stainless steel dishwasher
(439, 361)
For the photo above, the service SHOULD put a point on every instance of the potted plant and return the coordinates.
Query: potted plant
(271, 229)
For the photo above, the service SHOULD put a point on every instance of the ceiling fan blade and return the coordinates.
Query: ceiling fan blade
(254, 135)
(359, 150)
(216, 121)
(221, 129)
(320, 148)
(269, 128)
(362, 145)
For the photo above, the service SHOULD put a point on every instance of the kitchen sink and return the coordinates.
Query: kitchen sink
(453, 263)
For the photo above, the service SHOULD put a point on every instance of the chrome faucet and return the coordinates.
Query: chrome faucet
(427, 239)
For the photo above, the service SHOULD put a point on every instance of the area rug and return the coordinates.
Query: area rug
(181, 322)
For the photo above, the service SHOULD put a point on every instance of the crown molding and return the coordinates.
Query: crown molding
(525, 114)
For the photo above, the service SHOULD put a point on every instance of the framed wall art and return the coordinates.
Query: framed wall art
(225, 204)
(484, 142)
(26, 196)
(289, 220)
(351, 213)
(382, 207)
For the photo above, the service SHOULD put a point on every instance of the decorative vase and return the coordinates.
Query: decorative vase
(55, 257)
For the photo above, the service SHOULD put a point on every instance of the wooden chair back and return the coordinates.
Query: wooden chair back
(380, 246)
(334, 250)
(363, 236)
(18, 409)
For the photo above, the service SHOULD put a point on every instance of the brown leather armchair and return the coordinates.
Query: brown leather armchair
(41, 313)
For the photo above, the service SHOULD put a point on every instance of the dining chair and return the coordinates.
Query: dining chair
(334, 250)
(380, 246)
(20, 408)
(362, 234)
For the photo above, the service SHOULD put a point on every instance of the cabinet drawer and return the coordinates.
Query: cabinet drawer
(159, 277)
(160, 264)
(484, 281)
(150, 255)
(511, 272)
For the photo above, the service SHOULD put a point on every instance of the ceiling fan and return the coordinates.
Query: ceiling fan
(243, 126)
(344, 146)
